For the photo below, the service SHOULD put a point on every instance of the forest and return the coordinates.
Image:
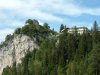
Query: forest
(65, 54)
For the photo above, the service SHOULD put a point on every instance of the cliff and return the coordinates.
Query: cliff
(15, 50)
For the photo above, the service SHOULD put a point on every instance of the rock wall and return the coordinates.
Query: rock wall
(15, 50)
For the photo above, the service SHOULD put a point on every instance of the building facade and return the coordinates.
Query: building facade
(79, 30)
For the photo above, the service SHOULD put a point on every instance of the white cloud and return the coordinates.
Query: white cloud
(42, 15)
(2, 15)
(43, 10)
(10, 4)
(28, 9)
(38, 8)
(67, 7)
(10, 23)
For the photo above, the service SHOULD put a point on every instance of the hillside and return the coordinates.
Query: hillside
(38, 50)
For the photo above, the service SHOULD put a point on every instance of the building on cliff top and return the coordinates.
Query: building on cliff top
(80, 30)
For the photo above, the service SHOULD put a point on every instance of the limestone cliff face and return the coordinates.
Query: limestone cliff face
(15, 50)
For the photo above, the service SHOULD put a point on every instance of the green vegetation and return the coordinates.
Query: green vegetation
(67, 54)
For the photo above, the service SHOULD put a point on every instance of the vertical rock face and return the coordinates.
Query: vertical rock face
(15, 50)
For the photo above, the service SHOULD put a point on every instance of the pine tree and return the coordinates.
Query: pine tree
(62, 27)
(71, 46)
(29, 21)
(95, 32)
(94, 61)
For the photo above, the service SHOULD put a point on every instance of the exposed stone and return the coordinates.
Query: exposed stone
(15, 50)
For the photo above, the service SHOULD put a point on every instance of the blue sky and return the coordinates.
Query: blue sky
(13, 13)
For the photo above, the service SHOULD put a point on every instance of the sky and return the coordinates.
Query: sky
(14, 13)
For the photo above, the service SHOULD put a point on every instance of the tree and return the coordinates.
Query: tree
(60, 71)
(64, 54)
(25, 63)
(95, 27)
(14, 70)
(35, 22)
(71, 46)
(29, 21)
(7, 71)
(62, 27)
(25, 30)
(37, 68)
(8, 37)
(94, 61)
(82, 48)
(18, 31)
(75, 30)
(72, 68)
(46, 25)
(63, 49)
(95, 33)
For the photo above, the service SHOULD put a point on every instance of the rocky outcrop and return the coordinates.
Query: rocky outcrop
(15, 50)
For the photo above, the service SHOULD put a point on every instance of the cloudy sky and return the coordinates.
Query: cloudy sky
(13, 13)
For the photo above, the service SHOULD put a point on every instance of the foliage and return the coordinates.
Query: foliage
(62, 27)
(75, 54)
(18, 31)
